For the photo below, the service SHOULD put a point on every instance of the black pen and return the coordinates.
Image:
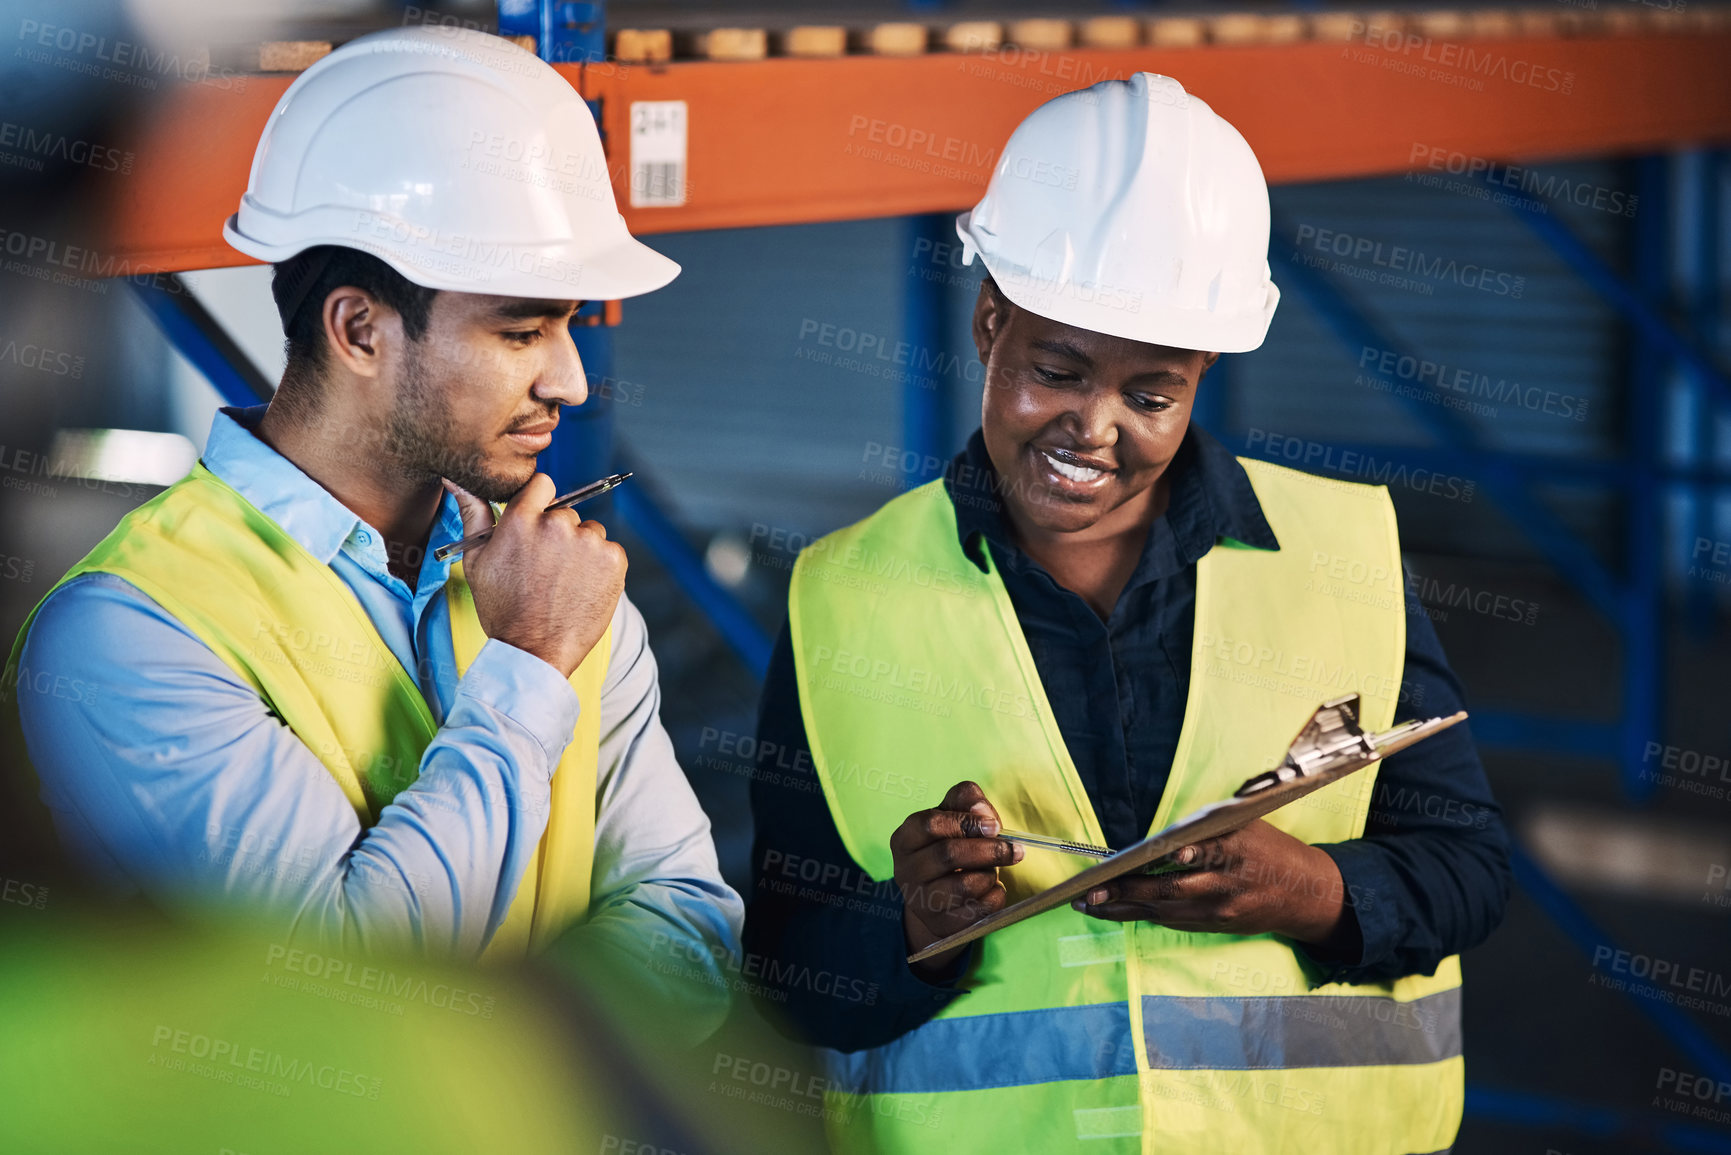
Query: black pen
(563, 501)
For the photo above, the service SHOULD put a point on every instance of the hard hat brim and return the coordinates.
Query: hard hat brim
(1134, 320)
(559, 271)
(1120, 314)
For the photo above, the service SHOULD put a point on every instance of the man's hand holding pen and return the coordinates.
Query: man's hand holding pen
(546, 581)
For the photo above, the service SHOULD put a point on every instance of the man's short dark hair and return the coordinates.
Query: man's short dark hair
(331, 266)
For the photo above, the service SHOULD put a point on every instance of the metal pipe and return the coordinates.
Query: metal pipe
(658, 531)
(1632, 302)
(201, 339)
(1555, 902)
(925, 319)
(1565, 552)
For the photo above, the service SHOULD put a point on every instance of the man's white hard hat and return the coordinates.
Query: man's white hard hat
(458, 158)
(1131, 208)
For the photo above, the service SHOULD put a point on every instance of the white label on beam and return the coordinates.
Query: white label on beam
(657, 153)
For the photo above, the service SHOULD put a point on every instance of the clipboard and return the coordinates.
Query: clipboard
(1331, 746)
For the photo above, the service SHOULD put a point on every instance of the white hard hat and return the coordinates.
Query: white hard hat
(458, 158)
(1130, 208)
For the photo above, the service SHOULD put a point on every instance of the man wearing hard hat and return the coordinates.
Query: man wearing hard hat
(1095, 623)
(294, 709)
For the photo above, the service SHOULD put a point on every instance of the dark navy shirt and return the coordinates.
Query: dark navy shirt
(1429, 878)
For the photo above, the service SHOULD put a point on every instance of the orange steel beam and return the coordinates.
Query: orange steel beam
(782, 141)
(805, 140)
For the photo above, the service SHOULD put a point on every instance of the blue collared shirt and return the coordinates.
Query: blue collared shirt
(173, 778)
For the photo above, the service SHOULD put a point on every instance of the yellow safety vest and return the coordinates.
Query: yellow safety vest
(286, 623)
(1086, 1035)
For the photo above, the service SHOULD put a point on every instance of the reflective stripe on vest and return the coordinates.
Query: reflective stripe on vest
(1226, 1034)
(284, 622)
(1076, 1033)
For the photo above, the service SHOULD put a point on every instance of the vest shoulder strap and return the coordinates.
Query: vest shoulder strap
(283, 621)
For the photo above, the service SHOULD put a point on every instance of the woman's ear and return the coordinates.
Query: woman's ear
(990, 310)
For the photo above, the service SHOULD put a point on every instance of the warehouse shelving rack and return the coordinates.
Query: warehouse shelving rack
(769, 144)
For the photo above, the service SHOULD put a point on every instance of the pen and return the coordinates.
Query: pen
(1059, 844)
(563, 501)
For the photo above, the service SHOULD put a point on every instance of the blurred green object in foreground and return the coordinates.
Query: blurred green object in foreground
(121, 1034)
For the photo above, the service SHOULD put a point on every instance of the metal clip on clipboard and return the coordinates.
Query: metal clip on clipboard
(1329, 747)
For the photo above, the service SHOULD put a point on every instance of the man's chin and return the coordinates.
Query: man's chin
(499, 484)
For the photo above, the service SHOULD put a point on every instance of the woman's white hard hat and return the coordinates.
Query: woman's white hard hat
(1131, 208)
(458, 158)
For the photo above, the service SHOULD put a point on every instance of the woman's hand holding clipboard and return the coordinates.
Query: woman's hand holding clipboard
(1331, 746)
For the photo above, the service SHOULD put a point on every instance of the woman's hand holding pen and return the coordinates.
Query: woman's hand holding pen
(547, 581)
(1255, 880)
(946, 864)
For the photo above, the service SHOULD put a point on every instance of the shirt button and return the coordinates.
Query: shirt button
(364, 537)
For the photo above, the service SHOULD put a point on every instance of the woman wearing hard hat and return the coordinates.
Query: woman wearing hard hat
(1096, 622)
(297, 708)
